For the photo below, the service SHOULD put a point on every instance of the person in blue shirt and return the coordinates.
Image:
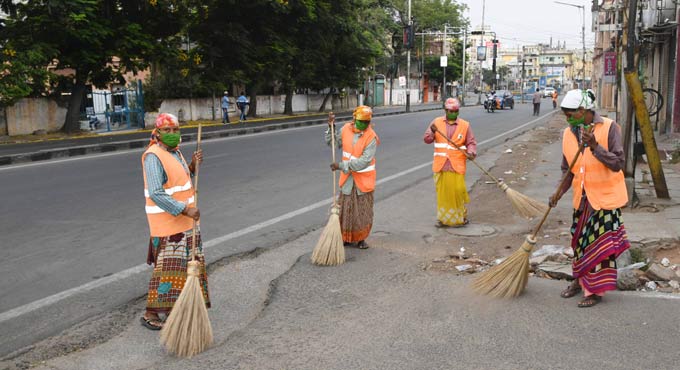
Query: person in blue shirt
(241, 103)
(225, 108)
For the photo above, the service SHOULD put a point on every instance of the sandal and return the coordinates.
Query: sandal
(571, 290)
(362, 245)
(465, 222)
(590, 301)
(152, 324)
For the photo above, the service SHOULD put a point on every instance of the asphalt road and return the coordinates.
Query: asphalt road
(74, 231)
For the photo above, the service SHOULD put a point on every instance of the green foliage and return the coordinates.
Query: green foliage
(198, 47)
(88, 41)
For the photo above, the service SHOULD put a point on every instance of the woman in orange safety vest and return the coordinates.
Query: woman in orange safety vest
(358, 175)
(599, 192)
(449, 163)
(171, 212)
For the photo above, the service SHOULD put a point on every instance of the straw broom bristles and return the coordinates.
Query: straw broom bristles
(187, 331)
(525, 206)
(509, 278)
(330, 249)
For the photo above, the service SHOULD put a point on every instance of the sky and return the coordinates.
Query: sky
(525, 22)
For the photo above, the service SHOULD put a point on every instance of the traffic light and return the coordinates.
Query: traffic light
(409, 37)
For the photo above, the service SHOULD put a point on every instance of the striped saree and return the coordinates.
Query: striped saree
(598, 238)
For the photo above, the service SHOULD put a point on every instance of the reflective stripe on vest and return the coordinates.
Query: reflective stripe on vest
(364, 179)
(443, 150)
(178, 185)
(604, 188)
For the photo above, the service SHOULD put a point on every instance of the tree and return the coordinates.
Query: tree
(88, 41)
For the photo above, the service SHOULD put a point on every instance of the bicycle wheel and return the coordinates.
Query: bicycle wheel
(653, 101)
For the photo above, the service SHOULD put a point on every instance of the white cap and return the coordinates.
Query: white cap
(578, 98)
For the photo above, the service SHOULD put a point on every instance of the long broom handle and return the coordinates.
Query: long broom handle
(331, 119)
(581, 147)
(436, 130)
(196, 167)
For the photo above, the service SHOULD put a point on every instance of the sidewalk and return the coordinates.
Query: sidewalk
(51, 148)
(390, 307)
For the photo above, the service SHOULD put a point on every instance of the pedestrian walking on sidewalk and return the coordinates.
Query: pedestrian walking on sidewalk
(537, 102)
(597, 181)
(225, 107)
(242, 104)
(449, 164)
(357, 178)
(170, 212)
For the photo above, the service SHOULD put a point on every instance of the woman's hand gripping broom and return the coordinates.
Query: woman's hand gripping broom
(510, 277)
(330, 249)
(526, 207)
(187, 331)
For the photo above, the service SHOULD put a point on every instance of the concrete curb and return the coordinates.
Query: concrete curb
(79, 150)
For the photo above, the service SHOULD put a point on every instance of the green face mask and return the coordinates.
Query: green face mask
(171, 140)
(574, 122)
(452, 116)
(361, 125)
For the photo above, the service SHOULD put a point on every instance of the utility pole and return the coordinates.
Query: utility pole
(422, 69)
(446, 56)
(583, 40)
(521, 81)
(408, 59)
(481, 70)
(462, 98)
(641, 112)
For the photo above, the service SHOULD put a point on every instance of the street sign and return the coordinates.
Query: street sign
(443, 61)
(402, 81)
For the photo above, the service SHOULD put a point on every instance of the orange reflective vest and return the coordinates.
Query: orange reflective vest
(554, 96)
(363, 179)
(443, 150)
(179, 186)
(605, 189)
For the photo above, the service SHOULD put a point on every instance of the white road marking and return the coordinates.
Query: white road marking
(38, 304)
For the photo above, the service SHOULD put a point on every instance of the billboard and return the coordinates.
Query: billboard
(610, 66)
(481, 52)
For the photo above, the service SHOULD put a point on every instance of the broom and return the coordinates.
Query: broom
(527, 207)
(509, 278)
(187, 331)
(330, 250)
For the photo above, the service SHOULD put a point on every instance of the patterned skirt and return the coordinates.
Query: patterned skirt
(598, 237)
(356, 216)
(452, 196)
(170, 255)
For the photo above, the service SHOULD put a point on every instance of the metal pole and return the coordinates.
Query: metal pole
(422, 70)
(408, 61)
(462, 98)
(521, 81)
(481, 69)
(443, 92)
(583, 40)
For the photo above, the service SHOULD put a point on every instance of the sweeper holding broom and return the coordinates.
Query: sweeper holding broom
(449, 163)
(591, 165)
(357, 177)
(172, 215)
(599, 192)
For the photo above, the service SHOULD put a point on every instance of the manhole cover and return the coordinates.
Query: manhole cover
(472, 230)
